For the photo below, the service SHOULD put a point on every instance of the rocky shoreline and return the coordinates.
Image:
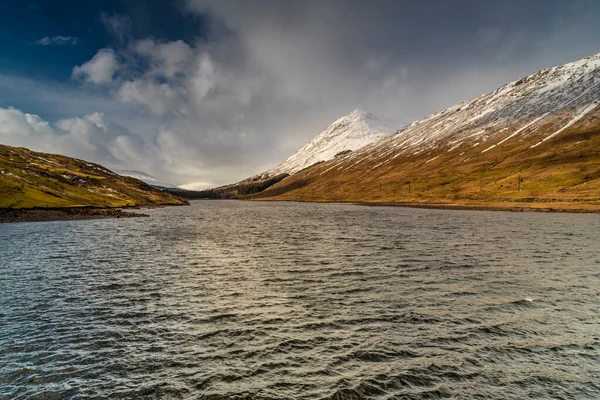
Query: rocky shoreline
(63, 214)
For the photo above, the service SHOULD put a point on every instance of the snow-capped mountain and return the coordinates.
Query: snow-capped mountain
(196, 186)
(543, 129)
(149, 179)
(348, 133)
(547, 102)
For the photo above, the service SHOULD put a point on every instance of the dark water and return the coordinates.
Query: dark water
(302, 301)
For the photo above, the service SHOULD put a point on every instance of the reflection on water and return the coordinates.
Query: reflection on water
(302, 301)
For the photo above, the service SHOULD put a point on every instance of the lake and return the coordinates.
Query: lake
(231, 299)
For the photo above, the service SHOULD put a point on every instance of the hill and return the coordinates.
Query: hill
(30, 179)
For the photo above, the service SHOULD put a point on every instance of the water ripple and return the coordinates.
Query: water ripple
(238, 300)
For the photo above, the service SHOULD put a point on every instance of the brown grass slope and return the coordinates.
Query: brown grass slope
(30, 179)
(562, 173)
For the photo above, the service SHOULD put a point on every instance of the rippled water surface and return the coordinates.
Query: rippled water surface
(302, 301)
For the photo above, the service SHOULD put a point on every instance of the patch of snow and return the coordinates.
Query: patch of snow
(582, 114)
(379, 165)
(478, 133)
(516, 132)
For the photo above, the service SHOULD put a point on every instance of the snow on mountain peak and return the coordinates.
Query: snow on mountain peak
(358, 113)
(560, 95)
(348, 133)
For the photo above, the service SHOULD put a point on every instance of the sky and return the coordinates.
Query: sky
(213, 92)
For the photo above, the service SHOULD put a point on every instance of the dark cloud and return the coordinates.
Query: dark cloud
(255, 80)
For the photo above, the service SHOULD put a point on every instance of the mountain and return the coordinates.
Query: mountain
(532, 140)
(196, 186)
(31, 179)
(149, 179)
(346, 134)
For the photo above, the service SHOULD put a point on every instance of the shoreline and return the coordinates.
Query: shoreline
(542, 206)
(11, 215)
(472, 207)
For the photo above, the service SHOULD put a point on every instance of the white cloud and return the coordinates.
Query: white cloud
(91, 137)
(117, 25)
(58, 40)
(167, 59)
(183, 80)
(21, 129)
(100, 69)
(159, 97)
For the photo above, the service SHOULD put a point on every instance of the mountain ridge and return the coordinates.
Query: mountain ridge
(544, 125)
(146, 178)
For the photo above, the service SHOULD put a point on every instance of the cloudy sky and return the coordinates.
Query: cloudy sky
(216, 91)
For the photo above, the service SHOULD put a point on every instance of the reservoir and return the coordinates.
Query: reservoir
(276, 300)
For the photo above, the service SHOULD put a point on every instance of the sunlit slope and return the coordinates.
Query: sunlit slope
(562, 169)
(31, 179)
(532, 140)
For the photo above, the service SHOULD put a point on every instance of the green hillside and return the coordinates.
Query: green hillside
(30, 179)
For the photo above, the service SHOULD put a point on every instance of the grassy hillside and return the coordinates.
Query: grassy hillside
(562, 173)
(31, 179)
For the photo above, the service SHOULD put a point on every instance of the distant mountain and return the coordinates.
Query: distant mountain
(196, 186)
(534, 139)
(31, 179)
(149, 179)
(346, 134)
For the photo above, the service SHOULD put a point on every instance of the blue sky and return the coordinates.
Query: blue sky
(214, 91)
(23, 23)
(30, 64)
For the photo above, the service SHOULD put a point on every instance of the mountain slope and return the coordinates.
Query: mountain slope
(542, 129)
(348, 133)
(149, 179)
(31, 179)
